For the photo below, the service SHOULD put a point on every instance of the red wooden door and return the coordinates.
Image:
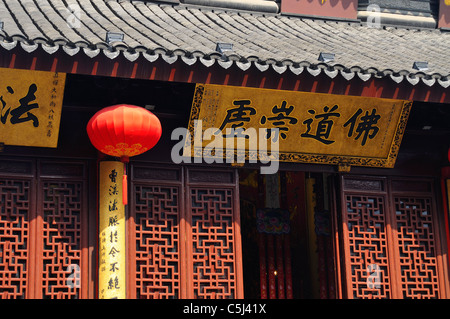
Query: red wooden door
(43, 229)
(392, 239)
(184, 234)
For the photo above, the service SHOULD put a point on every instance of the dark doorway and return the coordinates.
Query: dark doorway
(286, 235)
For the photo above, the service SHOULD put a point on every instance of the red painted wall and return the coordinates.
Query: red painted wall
(329, 8)
(444, 14)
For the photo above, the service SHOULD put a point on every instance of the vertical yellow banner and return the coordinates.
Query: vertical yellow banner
(112, 254)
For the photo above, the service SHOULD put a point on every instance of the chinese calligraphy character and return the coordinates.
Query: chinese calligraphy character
(113, 190)
(113, 221)
(114, 267)
(4, 115)
(366, 126)
(24, 107)
(113, 283)
(113, 176)
(113, 252)
(282, 116)
(324, 126)
(113, 237)
(238, 116)
(50, 123)
(113, 205)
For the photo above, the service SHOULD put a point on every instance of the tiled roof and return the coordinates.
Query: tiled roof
(171, 32)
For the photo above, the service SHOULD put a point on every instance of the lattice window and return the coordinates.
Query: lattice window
(61, 235)
(157, 242)
(367, 246)
(14, 237)
(213, 251)
(416, 242)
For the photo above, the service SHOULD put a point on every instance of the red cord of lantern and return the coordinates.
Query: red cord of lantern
(125, 160)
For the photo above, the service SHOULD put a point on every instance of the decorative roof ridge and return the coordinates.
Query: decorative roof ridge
(348, 73)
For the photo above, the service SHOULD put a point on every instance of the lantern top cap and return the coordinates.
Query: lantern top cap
(123, 105)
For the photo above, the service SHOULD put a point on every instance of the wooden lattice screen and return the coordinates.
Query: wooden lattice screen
(43, 229)
(392, 239)
(184, 226)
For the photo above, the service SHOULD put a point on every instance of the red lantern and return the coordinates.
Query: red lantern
(124, 131)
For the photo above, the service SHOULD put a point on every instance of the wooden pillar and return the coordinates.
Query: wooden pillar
(445, 188)
(312, 237)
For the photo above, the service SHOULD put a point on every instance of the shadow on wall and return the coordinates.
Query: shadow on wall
(333, 3)
(444, 13)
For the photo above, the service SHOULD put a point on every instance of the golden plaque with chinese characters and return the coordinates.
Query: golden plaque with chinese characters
(311, 127)
(30, 107)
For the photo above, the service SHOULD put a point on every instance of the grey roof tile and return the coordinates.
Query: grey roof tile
(22, 20)
(42, 22)
(7, 19)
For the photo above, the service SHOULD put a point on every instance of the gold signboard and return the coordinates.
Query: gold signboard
(112, 272)
(312, 127)
(30, 107)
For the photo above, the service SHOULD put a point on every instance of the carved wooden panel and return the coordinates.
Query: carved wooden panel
(213, 250)
(14, 237)
(416, 236)
(205, 176)
(367, 246)
(61, 239)
(157, 210)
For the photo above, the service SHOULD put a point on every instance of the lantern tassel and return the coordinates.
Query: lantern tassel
(125, 160)
(125, 189)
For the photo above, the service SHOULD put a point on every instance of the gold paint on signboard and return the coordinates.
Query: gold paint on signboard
(30, 107)
(314, 127)
(112, 253)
